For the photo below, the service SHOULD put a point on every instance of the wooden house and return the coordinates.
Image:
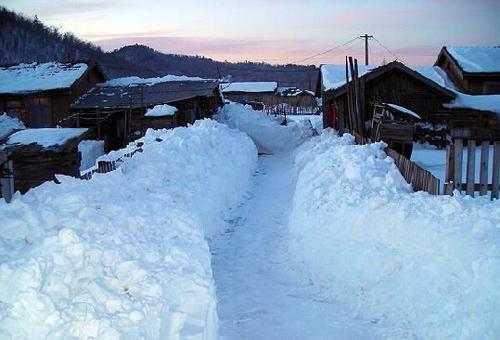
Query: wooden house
(41, 94)
(37, 155)
(296, 101)
(118, 112)
(417, 90)
(247, 92)
(473, 70)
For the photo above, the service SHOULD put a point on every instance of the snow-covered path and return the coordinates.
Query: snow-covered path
(259, 296)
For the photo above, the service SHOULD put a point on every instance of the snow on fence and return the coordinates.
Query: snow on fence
(419, 178)
(105, 166)
(454, 158)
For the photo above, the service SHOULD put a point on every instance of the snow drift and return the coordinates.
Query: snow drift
(266, 131)
(411, 264)
(124, 255)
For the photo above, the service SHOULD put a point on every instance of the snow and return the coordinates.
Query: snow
(90, 151)
(45, 137)
(134, 80)
(252, 87)
(334, 76)
(161, 111)
(8, 125)
(489, 102)
(476, 59)
(405, 110)
(411, 265)
(260, 296)
(316, 120)
(266, 131)
(25, 78)
(124, 255)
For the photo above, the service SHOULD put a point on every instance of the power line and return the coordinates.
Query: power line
(388, 50)
(325, 52)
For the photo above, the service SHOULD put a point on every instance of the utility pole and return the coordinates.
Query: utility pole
(366, 37)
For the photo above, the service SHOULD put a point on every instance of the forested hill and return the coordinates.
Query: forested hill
(27, 40)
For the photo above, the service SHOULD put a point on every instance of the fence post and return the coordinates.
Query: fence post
(457, 158)
(471, 164)
(483, 171)
(7, 180)
(496, 170)
(449, 176)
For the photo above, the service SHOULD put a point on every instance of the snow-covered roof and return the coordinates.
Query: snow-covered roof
(26, 78)
(45, 137)
(484, 102)
(133, 81)
(292, 91)
(476, 59)
(9, 124)
(489, 102)
(252, 87)
(404, 110)
(333, 75)
(161, 111)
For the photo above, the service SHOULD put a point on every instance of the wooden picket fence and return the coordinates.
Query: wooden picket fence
(454, 179)
(420, 179)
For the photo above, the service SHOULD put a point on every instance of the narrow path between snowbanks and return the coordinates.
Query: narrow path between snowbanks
(259, 296)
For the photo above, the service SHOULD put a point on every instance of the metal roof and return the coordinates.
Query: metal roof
(136, 96)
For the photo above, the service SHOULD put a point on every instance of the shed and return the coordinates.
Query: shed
(417, 90)
(473, 70)
(117, 111)
(39, 154)
(40, 94)
(245, 92)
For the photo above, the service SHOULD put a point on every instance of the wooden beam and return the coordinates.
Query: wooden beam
(496, 171)
(471, 164)
(483, 169)
(457, 169)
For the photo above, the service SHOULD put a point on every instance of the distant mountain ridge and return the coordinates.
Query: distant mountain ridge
(28, 40)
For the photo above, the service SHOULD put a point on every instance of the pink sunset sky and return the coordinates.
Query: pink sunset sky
(277, 31)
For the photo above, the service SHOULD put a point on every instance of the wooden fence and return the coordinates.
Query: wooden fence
(420, 179)
(454, 178)
(108, 166)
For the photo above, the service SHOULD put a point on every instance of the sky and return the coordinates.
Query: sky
(277, 31)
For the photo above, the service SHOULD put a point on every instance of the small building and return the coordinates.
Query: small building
(419, 90)
(121, 110)
(248, 92)
(473, 70)
(296, 101)
(37, 155)
(40, 95)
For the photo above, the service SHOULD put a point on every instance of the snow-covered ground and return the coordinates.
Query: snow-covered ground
(410, 264)
(316, 120)
(266, 131)
(326, 240)
(124, 255)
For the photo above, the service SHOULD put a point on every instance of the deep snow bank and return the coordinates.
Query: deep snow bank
(266, 131)
(124, 255)
(413, 265)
